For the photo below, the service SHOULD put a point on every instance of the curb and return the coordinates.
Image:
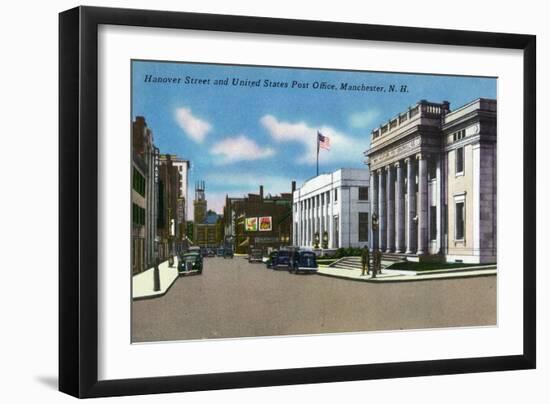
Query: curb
(157, 294)
(393, 280)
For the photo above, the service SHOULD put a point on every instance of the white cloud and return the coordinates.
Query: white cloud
(343, 148)
(240, 148)
(285, 131)
(194, 127)
(365, 119)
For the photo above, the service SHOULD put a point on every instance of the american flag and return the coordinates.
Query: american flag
(323, 141)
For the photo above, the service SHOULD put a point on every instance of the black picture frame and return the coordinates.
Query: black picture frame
(78, 201)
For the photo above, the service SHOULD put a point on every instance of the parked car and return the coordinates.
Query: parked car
(255, 255)
(302, 261)
(220, 252)
(190, 262)
(271, 259)
(210, 252)
(204, 252)
(283, 257)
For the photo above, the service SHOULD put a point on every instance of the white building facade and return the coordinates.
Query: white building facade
(183, 169)
(433, 175)
(334, 206)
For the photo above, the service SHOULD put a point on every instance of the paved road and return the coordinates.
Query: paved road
(233, 298)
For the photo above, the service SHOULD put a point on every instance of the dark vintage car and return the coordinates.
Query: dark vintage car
(302, 261)
(271, 259)
(190, 262)
(227, 252)
(283, 257)
(255, 255)
(210, 252)
(220, 251)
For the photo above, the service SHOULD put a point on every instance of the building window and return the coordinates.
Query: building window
(461, 134)
(459, 160)
(433, 222)
(459, 220)
(335, 194)
(363, 193)
(138, 182)
(138, 215)
(363, 226)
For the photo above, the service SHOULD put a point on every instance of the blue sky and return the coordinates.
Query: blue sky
(240, 136)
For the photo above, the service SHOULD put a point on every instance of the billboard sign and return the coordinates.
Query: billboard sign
(265, 223)
(251, 224)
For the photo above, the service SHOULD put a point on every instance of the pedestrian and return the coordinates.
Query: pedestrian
(365, 258)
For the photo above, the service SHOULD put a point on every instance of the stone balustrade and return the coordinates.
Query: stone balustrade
(423, 109)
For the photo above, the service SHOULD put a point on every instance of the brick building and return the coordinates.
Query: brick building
(272, 216)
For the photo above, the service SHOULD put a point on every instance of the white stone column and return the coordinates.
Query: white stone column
(439, 208)
(422, 204)
(312, 220)
(321, 215)
(330, 219)
(296, 234)
(390, 210)
(399, 210)
(374, 206)
(411, 205)
(382, 236)
(302, 224)
(306, 222)
(476, 160)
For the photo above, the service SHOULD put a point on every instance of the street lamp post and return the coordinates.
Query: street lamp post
(374, 231)
(156, 273)
(375, 253)
(170, 239)
(325, 239)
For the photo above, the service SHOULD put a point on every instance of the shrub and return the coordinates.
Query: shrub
(347, 252)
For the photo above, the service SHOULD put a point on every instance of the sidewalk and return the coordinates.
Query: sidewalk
(143, 283)
(393, 275)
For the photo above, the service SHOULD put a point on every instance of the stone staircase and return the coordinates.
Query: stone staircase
(355, 262)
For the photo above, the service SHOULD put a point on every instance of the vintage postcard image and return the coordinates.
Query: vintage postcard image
(274, 201)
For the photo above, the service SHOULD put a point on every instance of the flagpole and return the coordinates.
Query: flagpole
(317, 136)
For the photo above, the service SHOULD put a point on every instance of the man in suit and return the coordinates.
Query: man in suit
(365, 260)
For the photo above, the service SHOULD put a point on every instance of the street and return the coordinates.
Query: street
(233, 298)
